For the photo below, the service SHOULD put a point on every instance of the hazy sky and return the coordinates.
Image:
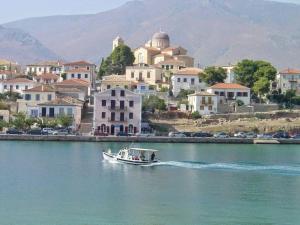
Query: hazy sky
(19, 9)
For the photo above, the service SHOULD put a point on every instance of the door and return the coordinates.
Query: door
(122, 105)
(112, 130)
(112, 104)
(51, 112)
(44, 112)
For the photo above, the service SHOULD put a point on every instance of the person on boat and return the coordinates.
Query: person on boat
(142, 156)
(152, 156)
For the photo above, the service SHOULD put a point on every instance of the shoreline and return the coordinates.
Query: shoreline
(147, 139)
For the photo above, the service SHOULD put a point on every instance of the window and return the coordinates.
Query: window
(148, 75)
(132, 74)
(131, 103)
(88, 68)
(172, 67)
(79, 76)
(26, 87)
(113, 92)
(222, 93)
(112, 116)
(5, 86)
(103, 115)
(61, 111)
(193, 81)
(108, 86)
(122, 118)
(245, 94)
(122, 93)
(27, 97)
(202, 107)
(210, 107)
(178, 79)
(49, 97)
(37, 97)
(17, 87)
(184, 80)
(130, 116)
(209, 100)
(239, 94)
(203, 100)
(72, 75)
(69, 111)
(86, 76)
(216, 93)
(103, 102)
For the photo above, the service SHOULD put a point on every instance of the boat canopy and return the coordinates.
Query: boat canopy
(143, 149)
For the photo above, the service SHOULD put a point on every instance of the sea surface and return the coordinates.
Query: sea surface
(57, 183)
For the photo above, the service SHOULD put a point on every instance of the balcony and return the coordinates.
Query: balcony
(117, 120)
(207, 103)
(117, 108)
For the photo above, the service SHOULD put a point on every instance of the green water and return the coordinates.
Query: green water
(69, 184)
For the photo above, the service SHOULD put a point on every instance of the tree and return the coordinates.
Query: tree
(3, 124)
(213, 75)
(65, 120)
(19, 121)
(183, 94)
(247, 72)
(153, 102)
(261, 86)
(116, 63)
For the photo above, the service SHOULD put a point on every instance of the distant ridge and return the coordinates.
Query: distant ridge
(214, 31)
(17, 45)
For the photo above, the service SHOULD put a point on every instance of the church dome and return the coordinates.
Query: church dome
(161, 35)
(161, 40)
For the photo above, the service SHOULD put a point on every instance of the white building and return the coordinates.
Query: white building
(230, 92)
(144, 73)
(81, 70)
(17, 85)
(37, 69)
(47, 78)
(66, 106)
(117, 110)
(289, 79)
(203, 102)
(187, 79)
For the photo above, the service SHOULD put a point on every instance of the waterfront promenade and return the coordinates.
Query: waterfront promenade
(147, 139)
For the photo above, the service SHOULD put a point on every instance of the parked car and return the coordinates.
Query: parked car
(176, 134)
(265, 136)
(240, 135)
(251, 135)
(123, 134)
(202, 134)
(35, 132)
(282, 134)
(145, 135)
(221, 135)
(13, 131)
(188, 134)
(61, 132)
(48, 131)
(100, 134)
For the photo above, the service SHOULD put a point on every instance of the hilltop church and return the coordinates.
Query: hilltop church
(158, 51)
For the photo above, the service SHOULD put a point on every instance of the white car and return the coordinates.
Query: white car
(176, 134)
(48, 131)
(240, 135)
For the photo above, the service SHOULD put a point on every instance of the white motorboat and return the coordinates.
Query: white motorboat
(135, 156)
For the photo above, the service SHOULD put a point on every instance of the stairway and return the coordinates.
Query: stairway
(86, 126)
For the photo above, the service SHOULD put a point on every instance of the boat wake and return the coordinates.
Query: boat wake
(231, 166)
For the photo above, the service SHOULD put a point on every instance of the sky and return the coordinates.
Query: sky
(19, 9)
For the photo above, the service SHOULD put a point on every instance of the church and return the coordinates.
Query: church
(159, 52)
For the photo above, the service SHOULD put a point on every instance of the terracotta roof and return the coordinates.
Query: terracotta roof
(228, 86)
(114, 78)
(78, 63)
(67, 89)
(74, 82)
(202, 93)
(18, 80)
(8, 72)
(79, 70)
(189, 71)
(149, 49)
(41, 88)
(47, 76)
(47, 63)
(64, 101)
(290, 71)
(171, 61)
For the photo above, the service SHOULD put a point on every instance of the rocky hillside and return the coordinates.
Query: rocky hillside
(17, 45)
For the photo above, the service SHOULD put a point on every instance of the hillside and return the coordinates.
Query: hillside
(17, 45)
(214, 31)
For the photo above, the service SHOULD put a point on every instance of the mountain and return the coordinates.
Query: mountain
(214, 31)
(20, 46)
